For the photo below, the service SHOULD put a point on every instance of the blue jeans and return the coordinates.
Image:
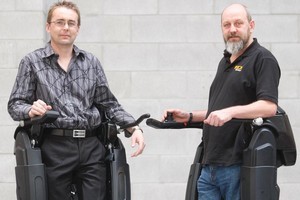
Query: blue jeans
(219, 182)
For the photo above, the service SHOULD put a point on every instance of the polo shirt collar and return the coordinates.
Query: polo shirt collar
(247, 52)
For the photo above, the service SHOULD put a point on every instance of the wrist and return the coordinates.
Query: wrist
(131, 130)
(136, 128)
(30, 114)
(191, 116)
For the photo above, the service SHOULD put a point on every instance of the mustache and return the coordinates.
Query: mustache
(232, 36)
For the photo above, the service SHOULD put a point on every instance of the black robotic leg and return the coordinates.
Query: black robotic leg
(118, 173)
(30, 171)
(272, 145)
(259, 170)
(258, 173)
(195, 171)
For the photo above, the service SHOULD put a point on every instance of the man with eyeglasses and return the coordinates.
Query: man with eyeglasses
(64, 78)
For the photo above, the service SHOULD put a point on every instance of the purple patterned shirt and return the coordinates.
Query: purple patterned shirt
(77, 94)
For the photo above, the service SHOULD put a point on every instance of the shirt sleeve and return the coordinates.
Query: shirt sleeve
(268, 75)
(107, 101)
(22, 94)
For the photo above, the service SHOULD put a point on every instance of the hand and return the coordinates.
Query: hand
(137, 138)
(218, 118)
(178, 115)
(38, 108)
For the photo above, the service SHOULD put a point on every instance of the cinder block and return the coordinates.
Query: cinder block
(284, 174)
(130, 57)
(7, 168)
(287, 55)
(90, 7)
(159, 28)
(4, 116)
(155, 191)
(130, 7)
(7, 140)
(104, 29)
(8, 76)
(289, 191)
(289, 85)
(255, 6)
(7, 54)
(190, 56)
(199, 84)
(284, 7)
(175, 169)
(137, 107)
(292, 108)
(159, 84)
(30, 27)
(94, 48)
(23, 47)
(187, 103)
(150, 165)
(172, 142)
(185, 6)
(29, 5)
(8, 191)
(268, 32)
(204, 28)
(119, 83)
(7, 5)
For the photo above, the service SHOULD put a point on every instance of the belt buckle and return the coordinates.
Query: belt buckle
(78, 133)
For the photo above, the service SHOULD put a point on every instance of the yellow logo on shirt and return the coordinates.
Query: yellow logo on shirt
(238, 68)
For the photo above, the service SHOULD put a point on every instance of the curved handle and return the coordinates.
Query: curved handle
(49, 117)
(137, 122)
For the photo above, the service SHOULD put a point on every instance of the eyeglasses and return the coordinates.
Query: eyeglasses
(62, 23)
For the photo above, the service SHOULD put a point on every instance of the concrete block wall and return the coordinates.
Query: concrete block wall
(157, 54)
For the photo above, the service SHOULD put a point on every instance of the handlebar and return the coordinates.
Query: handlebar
(169, 123)
(172, 124)
(49, 117)
(137, 122)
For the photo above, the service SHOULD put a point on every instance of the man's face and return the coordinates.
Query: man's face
(63, 27)
(236, 29)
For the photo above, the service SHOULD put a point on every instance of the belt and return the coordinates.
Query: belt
(75, 133)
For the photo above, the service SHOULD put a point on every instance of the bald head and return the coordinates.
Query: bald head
(236, 9)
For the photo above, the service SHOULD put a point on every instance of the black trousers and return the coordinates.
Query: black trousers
(71, 160)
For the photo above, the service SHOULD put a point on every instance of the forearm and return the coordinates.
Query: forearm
(18, 111)
(254, 110)
(198, 115)
(22, 94)
(259, 108)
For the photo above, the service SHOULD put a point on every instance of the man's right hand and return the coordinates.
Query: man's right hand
(178, 115)
(39, 108)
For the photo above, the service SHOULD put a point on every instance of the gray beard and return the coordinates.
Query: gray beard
(234, 47)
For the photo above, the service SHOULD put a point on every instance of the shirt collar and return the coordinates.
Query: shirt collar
(48, 51)
(248, 51)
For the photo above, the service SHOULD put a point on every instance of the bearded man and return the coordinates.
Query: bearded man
(245, 87)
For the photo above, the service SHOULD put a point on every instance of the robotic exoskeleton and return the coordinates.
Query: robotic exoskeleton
(30, 171)
(272, 145)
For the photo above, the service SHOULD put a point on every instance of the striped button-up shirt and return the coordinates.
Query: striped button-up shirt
(77, 94)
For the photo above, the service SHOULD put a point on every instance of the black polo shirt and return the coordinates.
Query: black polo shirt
(251, 77)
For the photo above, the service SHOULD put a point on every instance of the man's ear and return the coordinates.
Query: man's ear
(47, 27)
(252, 25)
(78, 30)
